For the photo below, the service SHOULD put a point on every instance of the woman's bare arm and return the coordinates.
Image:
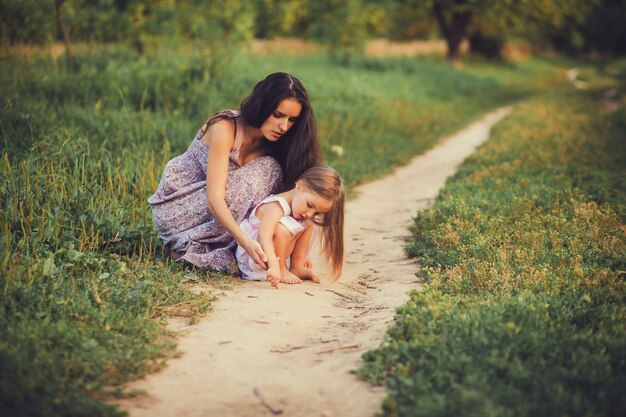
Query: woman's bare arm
(220, 138)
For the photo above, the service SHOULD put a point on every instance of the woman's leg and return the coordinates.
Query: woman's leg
(249, 185)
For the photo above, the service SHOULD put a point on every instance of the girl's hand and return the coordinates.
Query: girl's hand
(273, 276)
(308, 263)
(255, 251)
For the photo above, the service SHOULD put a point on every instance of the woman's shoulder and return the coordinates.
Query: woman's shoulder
(220, 130)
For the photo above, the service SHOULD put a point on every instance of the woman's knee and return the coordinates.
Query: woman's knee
(254, 181)
(274, 175)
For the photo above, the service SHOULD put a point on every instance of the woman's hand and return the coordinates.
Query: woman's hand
(255, 251)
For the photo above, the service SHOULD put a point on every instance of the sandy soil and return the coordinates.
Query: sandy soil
(385, 47)
(290, 351)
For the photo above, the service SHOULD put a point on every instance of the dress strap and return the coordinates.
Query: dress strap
(238, 132)
(233, 115)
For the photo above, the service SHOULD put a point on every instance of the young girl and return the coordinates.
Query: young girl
(284, 226)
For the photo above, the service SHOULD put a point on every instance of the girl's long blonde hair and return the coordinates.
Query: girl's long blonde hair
(327, 183)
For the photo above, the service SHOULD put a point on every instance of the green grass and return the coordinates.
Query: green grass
(85, 285)
(524, 255)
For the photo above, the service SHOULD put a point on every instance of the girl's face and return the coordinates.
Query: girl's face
(281, 119)
(307, 205)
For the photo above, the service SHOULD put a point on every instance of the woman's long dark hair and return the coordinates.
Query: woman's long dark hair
(298, 149)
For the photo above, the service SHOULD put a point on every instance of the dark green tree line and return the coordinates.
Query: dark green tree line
(572, 26)
(568, 25)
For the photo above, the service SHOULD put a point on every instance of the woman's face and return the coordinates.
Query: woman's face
(281, 119)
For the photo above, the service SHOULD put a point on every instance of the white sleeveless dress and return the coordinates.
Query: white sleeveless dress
(250, 269)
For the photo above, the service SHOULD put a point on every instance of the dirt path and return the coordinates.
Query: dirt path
(262, 351)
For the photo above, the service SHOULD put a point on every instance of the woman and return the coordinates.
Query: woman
(236, 160)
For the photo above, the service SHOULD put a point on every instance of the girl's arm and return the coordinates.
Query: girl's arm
(269, 215)
(220, 137)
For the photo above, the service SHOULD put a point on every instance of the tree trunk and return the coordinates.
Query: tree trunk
(454, 29)
(454, 48)
(69, 55)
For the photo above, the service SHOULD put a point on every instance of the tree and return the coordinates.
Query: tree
(598, 27)
(454, 17)
(604, 30)
(489, 22)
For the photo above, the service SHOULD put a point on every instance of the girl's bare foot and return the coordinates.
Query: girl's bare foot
(289, 278)
(305, 273)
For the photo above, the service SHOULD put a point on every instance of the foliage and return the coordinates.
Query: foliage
(28, 21)
(573, 26)
(600, 30)
(224, 27)
(523, 254)
(280, 18)
(345, 25)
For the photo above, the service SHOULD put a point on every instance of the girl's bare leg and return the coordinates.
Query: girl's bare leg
(283, 246)
(299, 265)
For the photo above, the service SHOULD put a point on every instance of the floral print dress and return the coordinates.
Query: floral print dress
(179, 205)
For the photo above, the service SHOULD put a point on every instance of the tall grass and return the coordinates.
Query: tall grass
(83, 275)
(524, 254)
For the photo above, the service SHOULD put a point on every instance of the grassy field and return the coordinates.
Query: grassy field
(524, 260)
(85, 284)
